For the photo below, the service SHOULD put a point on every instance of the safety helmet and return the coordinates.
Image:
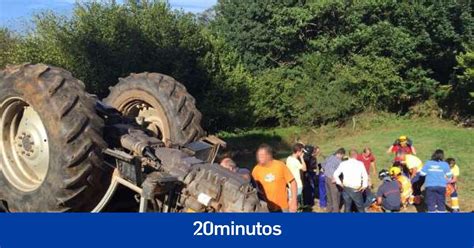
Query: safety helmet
(403, 138)
(383, 174)
(395, 171)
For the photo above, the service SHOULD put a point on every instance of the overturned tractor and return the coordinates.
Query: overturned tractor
(61, 149)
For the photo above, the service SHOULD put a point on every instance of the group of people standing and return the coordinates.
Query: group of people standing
(345, 180)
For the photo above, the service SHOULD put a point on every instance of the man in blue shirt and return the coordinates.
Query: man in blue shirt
(437, 174)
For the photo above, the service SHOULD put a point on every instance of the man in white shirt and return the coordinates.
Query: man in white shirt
(354, 182)
(296, 165)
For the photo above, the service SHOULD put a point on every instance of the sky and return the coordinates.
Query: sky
(16, 13)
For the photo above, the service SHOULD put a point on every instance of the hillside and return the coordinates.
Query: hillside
(375, 131)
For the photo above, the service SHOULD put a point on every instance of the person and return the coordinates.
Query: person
(309, 177)
(437, 173)
(388, 193)
(272, 177)
(323, 203)
(452, 186)
(404, 185)
(355, 181)
(244, 172)
(402, 144)
(368, 159)
(398, 160)
(3, 207)
(297, 166)
(414, 165)
(229, 164)
(333, 193)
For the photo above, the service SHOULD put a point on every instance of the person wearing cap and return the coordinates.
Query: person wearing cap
(402, 145)
(354, 182)
(388, 193)
(404, 185)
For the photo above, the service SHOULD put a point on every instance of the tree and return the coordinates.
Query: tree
(102, 41)
(269, 62)
(386, 55)
(461, 91)
(265, 33)
(7, 44)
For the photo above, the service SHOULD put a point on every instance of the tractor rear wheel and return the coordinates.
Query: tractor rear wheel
(165, 106)
(51, 142)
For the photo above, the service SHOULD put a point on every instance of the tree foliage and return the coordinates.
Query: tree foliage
(380, 55)
(266, 33)
(269, 62)
(103, 41)
(7, 44)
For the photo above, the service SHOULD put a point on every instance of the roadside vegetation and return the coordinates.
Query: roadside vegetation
(270, 63)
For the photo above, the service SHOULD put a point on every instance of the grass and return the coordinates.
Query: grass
(377, 131)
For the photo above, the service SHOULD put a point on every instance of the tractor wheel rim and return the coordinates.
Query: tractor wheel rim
(153, 119)
(153, 122)
(24, 145)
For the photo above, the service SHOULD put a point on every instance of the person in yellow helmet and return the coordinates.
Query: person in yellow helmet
(388, 193)
(404, 184)
(402, 145)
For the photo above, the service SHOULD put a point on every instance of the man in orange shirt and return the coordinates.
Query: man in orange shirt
(272, 177)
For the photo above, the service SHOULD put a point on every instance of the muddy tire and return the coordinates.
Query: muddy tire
(168, 109)
(48, 116)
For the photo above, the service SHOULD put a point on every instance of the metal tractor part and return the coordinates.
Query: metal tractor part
(63, 150)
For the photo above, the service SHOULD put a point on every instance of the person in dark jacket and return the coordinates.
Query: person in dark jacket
(388, 194)
(309, 177)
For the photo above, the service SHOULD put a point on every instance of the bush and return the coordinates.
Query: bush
(226, 102)
(7, 45)
(103, 41)
(274, 96)
(270, 62)
(428, 108)
(381, 55)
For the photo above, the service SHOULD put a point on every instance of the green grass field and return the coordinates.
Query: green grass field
(377, 131)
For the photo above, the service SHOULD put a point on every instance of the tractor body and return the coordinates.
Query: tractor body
(63, 149)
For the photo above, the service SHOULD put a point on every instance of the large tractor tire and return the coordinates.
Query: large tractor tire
(51, 142)
(167, 109)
